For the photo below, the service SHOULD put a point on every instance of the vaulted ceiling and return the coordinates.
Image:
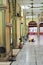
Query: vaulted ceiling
(26, 2)
(31, 5)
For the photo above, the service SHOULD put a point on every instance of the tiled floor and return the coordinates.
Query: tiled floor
(31, 54)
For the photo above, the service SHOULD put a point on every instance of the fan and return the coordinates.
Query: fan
(32, 9)
(32, 6)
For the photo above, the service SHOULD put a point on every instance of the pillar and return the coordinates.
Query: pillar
(14, 23)
(2, 24)
(2, 27)
(7, 29)
(18, 20)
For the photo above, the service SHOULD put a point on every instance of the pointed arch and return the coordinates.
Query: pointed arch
(32, 27)
(41, 28)
(32, 24)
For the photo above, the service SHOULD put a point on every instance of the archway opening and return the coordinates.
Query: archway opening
(41, 28)
(32, 28)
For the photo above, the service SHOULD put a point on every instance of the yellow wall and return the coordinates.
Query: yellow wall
(18, 31)
(17, 8)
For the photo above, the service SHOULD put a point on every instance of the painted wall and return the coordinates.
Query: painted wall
(3, 2)
(18, 31)
(1, 39)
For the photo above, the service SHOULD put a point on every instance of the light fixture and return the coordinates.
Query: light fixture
(25, 7)
(32, 9)
(31, 16)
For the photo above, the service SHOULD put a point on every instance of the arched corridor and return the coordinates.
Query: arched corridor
(31, 54)
(21, 32)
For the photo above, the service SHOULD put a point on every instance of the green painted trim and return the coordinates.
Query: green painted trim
(14, 22)
(25, 25)
(20, 29)
(14, 32)
(3, 27)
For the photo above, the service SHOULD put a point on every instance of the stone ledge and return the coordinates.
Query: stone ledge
(15, 51)
(5, 63)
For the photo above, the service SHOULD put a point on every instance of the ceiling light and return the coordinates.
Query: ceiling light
(31, 16)
(22, 7)
(37, 5)
(25, 7)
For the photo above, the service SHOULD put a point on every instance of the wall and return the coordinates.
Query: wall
(7, 30)
(18, 20)
(4, 31)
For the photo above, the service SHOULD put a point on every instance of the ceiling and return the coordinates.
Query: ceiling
(26, 2)
(27, 6)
